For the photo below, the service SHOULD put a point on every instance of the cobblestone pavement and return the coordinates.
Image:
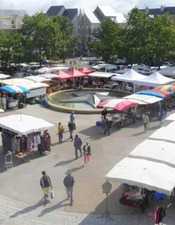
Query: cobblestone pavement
(20, 193)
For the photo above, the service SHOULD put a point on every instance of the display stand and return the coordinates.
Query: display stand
(106, 189)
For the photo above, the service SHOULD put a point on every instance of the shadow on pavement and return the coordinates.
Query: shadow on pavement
(17, 160)
(63, 163)
(54, 207)
(76, 168)
(94, 132)
(28, 209)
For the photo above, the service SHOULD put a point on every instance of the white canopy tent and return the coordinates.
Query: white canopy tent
(102, 74)
(165, 133)
(4, 76)
(130, 76)
(37, 79)
(143, 99)
(144, 174)
(16, 81)
(24, 124)
(168, 71)
(160, 151)
(154, 80)
(52, 69)
(171, 117)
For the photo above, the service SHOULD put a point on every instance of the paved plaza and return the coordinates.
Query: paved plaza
(21, 195)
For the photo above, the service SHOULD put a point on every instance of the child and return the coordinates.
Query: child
(60, 132)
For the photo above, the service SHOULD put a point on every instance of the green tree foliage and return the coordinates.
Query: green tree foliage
(109, 40)
(6, 44)
(44, 36)
(148, 38)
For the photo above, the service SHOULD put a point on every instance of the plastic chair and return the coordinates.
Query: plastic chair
(8, 160)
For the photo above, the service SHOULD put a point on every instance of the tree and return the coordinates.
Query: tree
(136, 35)
(6, 44)
(148, 38)
(162, 39)
(45, 36)
(108, 40)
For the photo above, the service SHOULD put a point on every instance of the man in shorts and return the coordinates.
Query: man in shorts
(46, 185)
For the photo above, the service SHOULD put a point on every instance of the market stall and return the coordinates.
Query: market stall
(144, 174)
(13, 96)
(24, 135)
(154, 80)
(160, 151)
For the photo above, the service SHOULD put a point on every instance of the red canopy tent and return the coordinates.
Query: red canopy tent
(86, 70)
(62, 75)
(76, 74)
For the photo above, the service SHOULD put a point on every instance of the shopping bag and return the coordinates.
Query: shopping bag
(52, 194)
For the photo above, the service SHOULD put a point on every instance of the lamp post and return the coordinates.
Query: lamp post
(106, 189)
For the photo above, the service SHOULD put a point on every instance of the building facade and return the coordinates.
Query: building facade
(11, 19)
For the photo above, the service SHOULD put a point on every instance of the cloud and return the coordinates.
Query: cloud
(124, 6)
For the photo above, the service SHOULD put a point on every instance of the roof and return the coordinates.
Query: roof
(120, 18)
(157, 11)
(70, 13)
(54, 10)
(7, 12)
(107, 10)
(91, 16)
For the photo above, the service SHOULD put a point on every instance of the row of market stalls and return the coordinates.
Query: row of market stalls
(154, 80)
(150, 166)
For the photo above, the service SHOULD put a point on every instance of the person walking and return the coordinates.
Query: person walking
(106, 126)
(86, 152)
(146, 120)
(72, 116)
(69, 183)
(46, 185)
(60, 132)
(77, 146)
(71, 126)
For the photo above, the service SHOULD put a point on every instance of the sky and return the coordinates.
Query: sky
(123, 6)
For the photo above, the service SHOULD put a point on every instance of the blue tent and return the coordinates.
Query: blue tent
(152, 93)
(14, 89)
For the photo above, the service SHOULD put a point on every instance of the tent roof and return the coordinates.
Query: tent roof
(16, 81)
(154, 80)
(14, 89)
(24, 124)
(36, 78)
(101, 74)
(76, 73)
(143, 99)
(168, 71)
(63, 75)
(49, 76)
(160, 151)
(143, 173)
(165, 133)
(33, 86)
(4, 76)
(171, 117)
(86, 70)
(130, 76)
